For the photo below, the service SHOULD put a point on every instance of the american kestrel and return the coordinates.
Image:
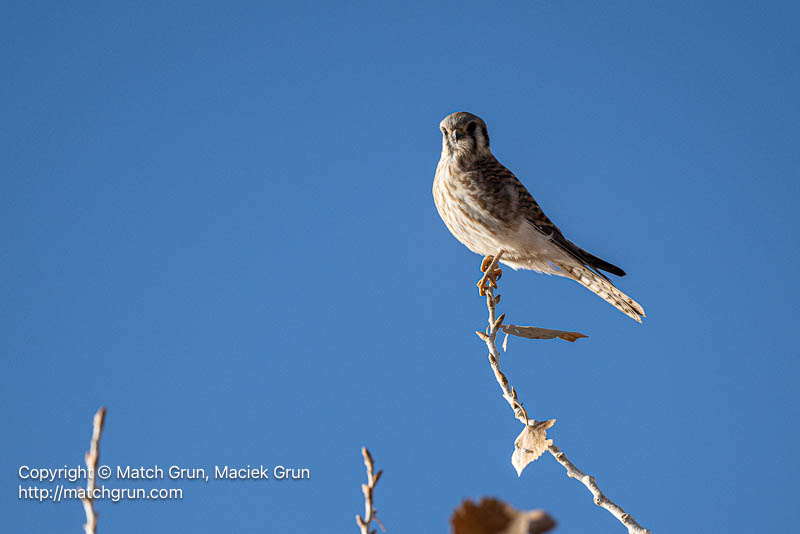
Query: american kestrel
(488, 209)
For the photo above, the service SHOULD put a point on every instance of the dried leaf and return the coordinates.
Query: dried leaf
(492, 516)
(532, 332)
(531, 443)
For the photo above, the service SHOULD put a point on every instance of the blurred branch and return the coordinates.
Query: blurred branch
(493, 516)
(370, 514)
(91, 457)
(532, 442)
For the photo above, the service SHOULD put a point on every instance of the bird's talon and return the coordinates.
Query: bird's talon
(489, 279)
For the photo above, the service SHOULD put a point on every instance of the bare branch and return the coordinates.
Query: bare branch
(370, 514)
(533, 441)
(486, 286)
(92, 456)
(600, 498)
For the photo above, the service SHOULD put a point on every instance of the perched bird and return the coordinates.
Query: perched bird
(488, 209)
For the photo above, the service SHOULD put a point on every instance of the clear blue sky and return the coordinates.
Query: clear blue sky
(217, 221)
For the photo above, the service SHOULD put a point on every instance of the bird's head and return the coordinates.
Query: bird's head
(464, 135)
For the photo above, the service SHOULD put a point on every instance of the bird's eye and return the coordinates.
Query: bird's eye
(444, 130)
(471, 128)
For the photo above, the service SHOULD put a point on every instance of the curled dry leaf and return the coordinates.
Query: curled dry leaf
(531, 443)
(532, 332)
(492, 516)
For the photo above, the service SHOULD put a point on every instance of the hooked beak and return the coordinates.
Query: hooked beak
(457, 135)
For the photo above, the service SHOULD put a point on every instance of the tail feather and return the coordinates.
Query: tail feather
(605, 289)
(593, 261)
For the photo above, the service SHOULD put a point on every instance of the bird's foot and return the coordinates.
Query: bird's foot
(491, 274)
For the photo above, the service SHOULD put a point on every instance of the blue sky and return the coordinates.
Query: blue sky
(217, 221)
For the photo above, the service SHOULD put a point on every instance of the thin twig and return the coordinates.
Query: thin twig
(600, 498)
(370, 514)
(92, 456)
(487, 286)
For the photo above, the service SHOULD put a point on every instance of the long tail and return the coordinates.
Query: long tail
(605, 289)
